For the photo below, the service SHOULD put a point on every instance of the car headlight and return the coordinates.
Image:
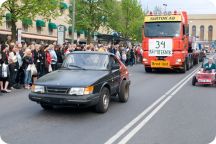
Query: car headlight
(81, 91)
(38, 89)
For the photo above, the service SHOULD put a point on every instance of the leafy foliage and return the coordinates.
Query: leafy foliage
(125, 16)
(128, 19)
(22, 9)
(90, 15)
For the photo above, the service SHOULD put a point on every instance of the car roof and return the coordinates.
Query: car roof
(91, 52)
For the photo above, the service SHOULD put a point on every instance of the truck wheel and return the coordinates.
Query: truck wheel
(104, 100)
(194, 80)
(46, 106)
(148, 70)
(184, 69)
(124, 92)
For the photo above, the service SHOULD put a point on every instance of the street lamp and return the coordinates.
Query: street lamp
(73, 20)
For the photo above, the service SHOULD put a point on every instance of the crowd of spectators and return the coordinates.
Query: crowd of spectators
(21, 64)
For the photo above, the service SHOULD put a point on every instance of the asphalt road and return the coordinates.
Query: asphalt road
(184, 115)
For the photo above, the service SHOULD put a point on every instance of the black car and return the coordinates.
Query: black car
(85, 79)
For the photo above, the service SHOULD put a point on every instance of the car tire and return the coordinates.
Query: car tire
(123, 94)
(148, 70)
(194, 80)
(184, 68)
(46, 106)
(104, 100)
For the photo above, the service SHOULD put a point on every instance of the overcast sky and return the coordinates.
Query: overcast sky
(191, 6)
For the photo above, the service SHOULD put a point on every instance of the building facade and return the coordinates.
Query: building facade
(203, 26)
(40, 29)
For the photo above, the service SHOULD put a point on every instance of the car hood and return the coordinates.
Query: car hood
(71, 78)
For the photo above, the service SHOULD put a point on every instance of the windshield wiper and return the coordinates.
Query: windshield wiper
(76, 66)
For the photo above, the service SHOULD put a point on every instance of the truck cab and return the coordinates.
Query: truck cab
(166, 42)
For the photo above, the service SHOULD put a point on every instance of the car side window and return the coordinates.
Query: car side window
(113, 61)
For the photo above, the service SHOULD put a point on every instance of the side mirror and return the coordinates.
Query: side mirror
(115, 67)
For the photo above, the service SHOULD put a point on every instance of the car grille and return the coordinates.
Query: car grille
(55, 90)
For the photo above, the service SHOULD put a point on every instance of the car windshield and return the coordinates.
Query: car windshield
(86, 61)
(162, 29)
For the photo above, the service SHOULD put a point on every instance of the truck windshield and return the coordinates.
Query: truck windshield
(162, 29)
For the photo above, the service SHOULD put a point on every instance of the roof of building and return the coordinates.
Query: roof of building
(202, 16)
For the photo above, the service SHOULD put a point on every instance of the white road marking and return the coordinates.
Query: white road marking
(145, 121)
(213, 142)
(1, 141)
(141, 115)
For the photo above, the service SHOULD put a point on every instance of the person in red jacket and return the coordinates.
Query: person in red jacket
(48, 60)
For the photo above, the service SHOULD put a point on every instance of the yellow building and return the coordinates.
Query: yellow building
(203, 26)
(39, 29)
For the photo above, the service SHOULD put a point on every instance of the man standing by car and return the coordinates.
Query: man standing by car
(53, 57)
(210, 65)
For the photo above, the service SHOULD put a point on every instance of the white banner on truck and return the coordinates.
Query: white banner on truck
(160, 47)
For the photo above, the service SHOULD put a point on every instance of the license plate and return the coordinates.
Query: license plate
(160, 64)
(204, 80)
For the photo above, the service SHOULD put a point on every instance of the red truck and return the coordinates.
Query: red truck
(166, 43)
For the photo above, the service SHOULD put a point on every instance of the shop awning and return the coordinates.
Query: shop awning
(40, 23)
(27, 21)
(52, 26)
(63, 6)
(70, 29)
(8, 16)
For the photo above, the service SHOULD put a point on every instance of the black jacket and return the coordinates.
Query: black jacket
(26, 61)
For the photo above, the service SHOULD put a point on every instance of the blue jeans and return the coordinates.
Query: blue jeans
(28, 77)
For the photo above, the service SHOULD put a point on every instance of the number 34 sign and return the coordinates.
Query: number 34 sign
(160, 47)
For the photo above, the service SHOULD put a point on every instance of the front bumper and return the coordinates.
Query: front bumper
(65, 100)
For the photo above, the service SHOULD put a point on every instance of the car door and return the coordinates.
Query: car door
(115, 74)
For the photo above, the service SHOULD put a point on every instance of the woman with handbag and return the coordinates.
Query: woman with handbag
(27, 63)
(48, 60)
(4, 69)
(13, 65)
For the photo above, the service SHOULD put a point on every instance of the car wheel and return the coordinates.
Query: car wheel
(184, 68)
(104, 100)
(124, 92)
(194, 81)
(148, 70)
(46, 106)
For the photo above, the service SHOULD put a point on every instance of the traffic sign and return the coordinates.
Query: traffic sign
(61, 35)
(19, 35)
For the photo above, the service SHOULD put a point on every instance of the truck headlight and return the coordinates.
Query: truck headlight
(81, 91)
(145, 60)
(178, 60)
(38, 89)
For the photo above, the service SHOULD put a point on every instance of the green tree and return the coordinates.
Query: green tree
(90, 15)
(128, 19)
(22, 9)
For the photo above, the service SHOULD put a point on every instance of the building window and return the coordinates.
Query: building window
(39, 30)
(193, 30)
(25, 28)
(50, 31)
(8, 25)
(210, 32)
(202, 33)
